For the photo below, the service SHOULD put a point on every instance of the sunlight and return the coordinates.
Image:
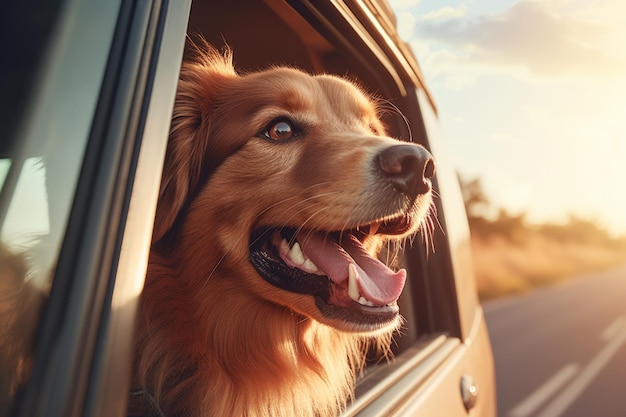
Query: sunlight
(537, 115)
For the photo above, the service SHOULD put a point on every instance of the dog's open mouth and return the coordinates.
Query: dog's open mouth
(348, 283)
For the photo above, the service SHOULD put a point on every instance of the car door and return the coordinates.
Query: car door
(89, 92)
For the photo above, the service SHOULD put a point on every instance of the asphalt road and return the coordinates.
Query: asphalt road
(561, 351)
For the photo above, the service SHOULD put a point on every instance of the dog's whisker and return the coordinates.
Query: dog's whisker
(388, 105)
(296, 197)
(294, 209)
(304, 319)
(217, 264)
(433, 216)
(304, 223)
(429, 227)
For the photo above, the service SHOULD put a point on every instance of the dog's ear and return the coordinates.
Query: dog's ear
(201, 81)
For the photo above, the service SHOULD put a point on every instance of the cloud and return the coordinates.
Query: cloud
(458, 81)
(445, 13)
(404, 4)
(406, 12)
(405, 22)
(544, 38)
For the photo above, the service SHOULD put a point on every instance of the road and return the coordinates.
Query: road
(561, 351)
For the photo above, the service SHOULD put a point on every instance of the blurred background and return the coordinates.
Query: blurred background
(532, 99)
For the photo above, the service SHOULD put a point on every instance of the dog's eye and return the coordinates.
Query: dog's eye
(280, 130)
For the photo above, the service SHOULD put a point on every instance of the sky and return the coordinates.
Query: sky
(531, 96)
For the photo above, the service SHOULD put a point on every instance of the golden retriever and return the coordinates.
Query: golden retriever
(264, 290)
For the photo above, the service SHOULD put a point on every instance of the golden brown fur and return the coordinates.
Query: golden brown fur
(214, 338)
(20, 305)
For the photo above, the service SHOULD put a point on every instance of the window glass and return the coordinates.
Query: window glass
(453, 213)
(40, 163)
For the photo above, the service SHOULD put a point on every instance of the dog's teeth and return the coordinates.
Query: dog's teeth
(309, 266)
(353, 286)
(365, 302)
(295, 253)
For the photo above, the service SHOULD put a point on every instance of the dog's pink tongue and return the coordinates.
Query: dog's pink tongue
(377, 283)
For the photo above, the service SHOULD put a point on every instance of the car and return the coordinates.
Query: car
(88, 90)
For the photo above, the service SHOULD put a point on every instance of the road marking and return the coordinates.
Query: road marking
(545, 391)
(558, 406)
(611, 331)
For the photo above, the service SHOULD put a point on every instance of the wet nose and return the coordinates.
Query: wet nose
(408, 167)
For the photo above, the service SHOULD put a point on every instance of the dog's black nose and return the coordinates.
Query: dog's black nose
(409, 167)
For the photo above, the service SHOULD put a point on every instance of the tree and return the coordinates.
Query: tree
(476, 202)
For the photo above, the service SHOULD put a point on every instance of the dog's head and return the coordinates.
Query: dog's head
(289, 182)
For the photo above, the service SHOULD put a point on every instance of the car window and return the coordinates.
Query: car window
(453, 215)
(335, 45)
(40, 163)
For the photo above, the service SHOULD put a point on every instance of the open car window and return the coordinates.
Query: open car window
(80, 162)
(345, 40)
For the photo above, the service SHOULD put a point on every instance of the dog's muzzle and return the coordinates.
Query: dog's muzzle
(349, 284)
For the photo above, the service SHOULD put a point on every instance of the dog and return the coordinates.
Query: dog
(264, 291)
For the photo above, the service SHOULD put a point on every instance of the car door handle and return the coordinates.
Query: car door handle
(469, 392)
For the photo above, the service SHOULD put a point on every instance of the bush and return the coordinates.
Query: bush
(511, 256)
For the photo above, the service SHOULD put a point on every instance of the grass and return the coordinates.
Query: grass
(512, 256)
(506, 266)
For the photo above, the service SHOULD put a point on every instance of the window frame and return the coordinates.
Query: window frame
(88, 317)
